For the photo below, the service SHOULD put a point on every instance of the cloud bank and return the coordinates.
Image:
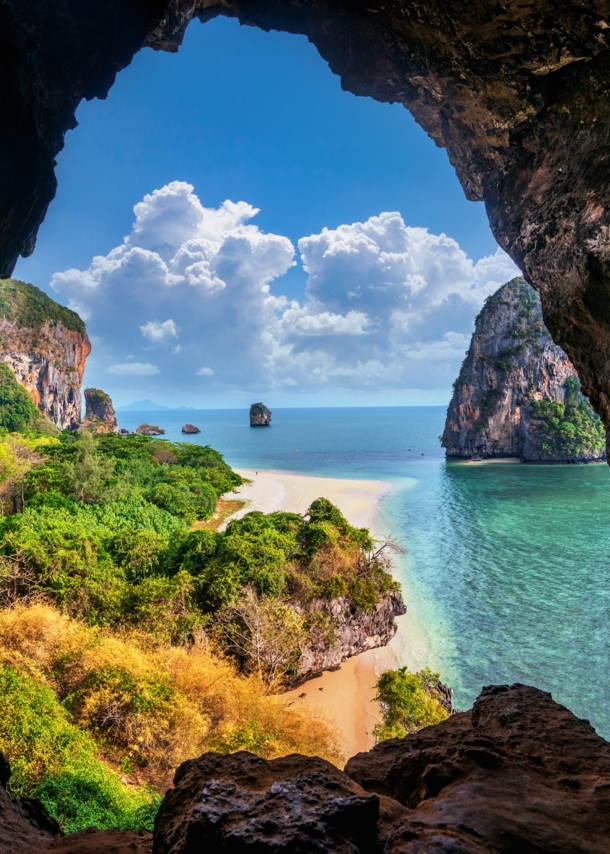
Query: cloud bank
(386, 306)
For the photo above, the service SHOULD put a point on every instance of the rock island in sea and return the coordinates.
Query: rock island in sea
(517, 393)
(260, 415)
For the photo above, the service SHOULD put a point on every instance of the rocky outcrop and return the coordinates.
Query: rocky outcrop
(347, 631)
(516, 93)
(46, 346)
(511, 364)
(517, 773)
(190, 428)
(149, 430)
(99, 412)
(260, 416)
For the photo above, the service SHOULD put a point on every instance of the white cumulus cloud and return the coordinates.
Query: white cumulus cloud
(141, 369)
(156, 331)
(385, 305)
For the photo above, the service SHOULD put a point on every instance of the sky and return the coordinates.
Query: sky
(233, 226)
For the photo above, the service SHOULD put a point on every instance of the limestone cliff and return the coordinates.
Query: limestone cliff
(99, 412)
(46, 346)
(348, 631)
(517, 394)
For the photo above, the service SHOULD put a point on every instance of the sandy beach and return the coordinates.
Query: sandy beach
(344, 696)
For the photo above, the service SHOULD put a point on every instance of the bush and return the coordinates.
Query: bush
(568, 430)
(55, 761)
(409, 702)
(146, 705)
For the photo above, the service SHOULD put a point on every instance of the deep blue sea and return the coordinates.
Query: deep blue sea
(507, 575)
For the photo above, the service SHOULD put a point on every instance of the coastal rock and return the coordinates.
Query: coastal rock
(99, 413)
(512, 362)
(190, 428)
(46, 346)
(260, 416)
(517, 773)
(123, 432)
(149, 430)
(354, 630)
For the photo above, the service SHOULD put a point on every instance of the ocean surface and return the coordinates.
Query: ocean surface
(507, 575)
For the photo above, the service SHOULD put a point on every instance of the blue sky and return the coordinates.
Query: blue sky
(258, 118)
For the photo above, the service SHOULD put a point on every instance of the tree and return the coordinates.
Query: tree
(265, 636)
(409, 702)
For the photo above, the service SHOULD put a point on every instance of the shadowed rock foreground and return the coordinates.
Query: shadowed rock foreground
(517, 773)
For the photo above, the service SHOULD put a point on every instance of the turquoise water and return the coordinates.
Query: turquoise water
(507, 576)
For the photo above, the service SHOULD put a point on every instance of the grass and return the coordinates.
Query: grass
(225, 508)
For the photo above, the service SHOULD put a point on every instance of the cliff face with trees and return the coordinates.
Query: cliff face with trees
(517, 393)
(45, 345)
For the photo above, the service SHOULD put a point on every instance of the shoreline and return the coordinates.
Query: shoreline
(344, 697)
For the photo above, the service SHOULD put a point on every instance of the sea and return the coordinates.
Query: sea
(506, 576)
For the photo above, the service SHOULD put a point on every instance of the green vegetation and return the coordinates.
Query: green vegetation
(76, 787)
(569, 430)
(409, 702)
(95, 722)
(133, 637)
(31, 308)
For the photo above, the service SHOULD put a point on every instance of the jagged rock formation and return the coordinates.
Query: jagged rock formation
(99, 412)
(353, 631)
(517, 773)
(260, 416)
(45, 345)
(515, 92)
(512, 363)
(190, 428)
(149, 430)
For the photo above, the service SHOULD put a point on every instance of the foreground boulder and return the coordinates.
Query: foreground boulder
(517, 773)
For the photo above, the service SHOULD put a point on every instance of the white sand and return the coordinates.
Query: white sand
(346, 698)
(275, 490)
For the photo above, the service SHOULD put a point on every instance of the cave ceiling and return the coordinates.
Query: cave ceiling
(517, 92)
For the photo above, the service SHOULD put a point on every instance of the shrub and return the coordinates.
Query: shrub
(409, 702)
(55, 761)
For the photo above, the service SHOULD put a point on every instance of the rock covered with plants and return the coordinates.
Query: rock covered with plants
(100, 416)
(45, 346)
(517, 394)
(134, 635)
(260, 415)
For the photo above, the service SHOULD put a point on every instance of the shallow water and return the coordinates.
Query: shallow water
(507, 576)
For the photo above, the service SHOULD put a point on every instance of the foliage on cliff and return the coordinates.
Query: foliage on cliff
(409, 702)
(567, 430)
(94, 723)
(131, 640)
(18, 413)
(31, 308)
(517, 393)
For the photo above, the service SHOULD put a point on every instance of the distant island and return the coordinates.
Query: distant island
(517, 393)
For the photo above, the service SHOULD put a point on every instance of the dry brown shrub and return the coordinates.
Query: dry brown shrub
(152, 707)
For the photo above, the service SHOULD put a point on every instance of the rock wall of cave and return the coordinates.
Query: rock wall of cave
(516, 93)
